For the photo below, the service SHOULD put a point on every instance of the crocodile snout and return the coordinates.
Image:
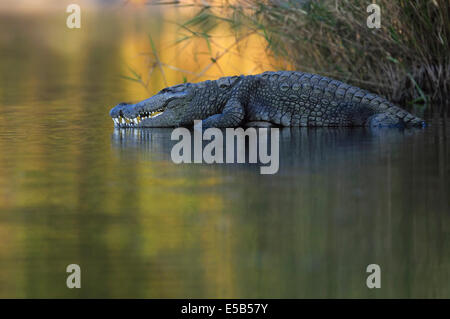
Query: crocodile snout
(118, 110)
(123, 110)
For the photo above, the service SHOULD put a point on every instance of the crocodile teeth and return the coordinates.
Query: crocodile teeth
(123, 121)
(135, 120)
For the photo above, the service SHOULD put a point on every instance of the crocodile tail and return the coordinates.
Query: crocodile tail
(405, 118)
(390, 115)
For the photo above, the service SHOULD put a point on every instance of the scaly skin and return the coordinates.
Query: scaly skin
(282, 98)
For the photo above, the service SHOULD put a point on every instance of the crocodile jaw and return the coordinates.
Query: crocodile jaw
(152, 112)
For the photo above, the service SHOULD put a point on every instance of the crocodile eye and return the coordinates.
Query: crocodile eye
(165, 90)
(223, 86)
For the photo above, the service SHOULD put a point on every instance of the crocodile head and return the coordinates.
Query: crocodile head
(169, 108)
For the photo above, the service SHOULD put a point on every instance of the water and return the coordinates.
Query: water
(74, 190)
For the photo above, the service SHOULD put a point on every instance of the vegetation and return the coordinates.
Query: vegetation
(406, 60)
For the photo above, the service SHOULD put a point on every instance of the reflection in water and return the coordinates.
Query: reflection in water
(298, 146)
(343, 198)
(73, 190)
(151, 142)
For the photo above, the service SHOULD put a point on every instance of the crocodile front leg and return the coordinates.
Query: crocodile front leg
(232, 115)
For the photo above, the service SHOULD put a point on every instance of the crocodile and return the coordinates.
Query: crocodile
(283, 98)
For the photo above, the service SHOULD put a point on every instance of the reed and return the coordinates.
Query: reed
(407, 59)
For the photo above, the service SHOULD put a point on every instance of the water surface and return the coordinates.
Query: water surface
(74, 190)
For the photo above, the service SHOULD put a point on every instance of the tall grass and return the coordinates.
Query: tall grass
(407, 59)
